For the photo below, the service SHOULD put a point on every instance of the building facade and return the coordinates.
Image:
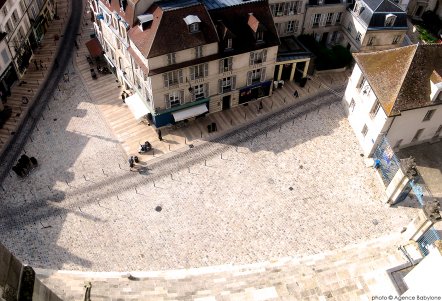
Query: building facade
(323, 19)
(374, 25)
(398, 94)
(24, 23)
(187, 60)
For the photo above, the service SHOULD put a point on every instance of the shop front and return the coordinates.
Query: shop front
(7, 79)
(254, 92)
(181, 113)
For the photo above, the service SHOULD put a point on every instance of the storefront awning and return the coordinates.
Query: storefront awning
(94, 47)
(191, 112)
(137, 106)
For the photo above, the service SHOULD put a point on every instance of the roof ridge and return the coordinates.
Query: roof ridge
(405, 75)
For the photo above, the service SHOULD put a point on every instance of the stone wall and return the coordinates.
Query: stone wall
(16, 285)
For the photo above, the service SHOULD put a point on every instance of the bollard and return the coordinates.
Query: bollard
(280, 128)
(201, 134)
(205, 162)
(305, 117)
(185, 140)
(169, 147)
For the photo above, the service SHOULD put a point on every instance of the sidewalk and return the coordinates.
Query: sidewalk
(356, 272)
(105, 92)
(33, 78)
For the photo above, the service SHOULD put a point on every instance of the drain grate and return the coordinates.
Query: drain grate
(158, 208)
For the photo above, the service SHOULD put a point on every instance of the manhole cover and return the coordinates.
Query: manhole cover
(301, 167)
(158, 208)
(190, 145)
(375, 222)
(290, 188)
(271, 181)
(55, 119)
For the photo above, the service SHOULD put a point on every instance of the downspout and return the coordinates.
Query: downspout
(303, 19)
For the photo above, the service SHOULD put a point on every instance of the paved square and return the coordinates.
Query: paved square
(283, 186)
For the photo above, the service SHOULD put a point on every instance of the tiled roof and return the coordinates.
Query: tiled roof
(436, 77)
(400, 77)
(127, 14)
(169, 33)
(239, 22)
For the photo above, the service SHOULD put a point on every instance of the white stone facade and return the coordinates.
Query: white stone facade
(370, 123)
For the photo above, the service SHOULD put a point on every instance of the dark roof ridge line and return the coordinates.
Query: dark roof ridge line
(403, 78)
(390, 2)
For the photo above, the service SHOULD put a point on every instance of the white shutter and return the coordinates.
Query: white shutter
(263, 74)
(180, 76)
(252, 58)
(230, 60)
(192, 73)
(221, 66)
(182, 96)
(166, 81)
(249, 78)
(323, 19)
(220, 86)
(312, 20)
(206, 90)
(206, 69)
(264, 55)
(166, 100)
(234, 82)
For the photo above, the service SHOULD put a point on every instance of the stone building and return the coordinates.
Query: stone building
(396, 93)
(22, 25)
(184, 60)
(323, 19)
(374, 25)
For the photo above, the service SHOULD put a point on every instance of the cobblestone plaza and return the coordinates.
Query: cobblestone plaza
(293, 184)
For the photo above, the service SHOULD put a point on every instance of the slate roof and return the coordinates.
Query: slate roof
(326, 2)
(400, 77)
(169, 33)
(375, 11)
(238, 21)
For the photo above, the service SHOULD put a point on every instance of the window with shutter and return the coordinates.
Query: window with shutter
(206, 90)
(263, 74)
(264, 55)
(206, 69)
(220, 86)
(249, 78)
(192, 73)
(234, 82)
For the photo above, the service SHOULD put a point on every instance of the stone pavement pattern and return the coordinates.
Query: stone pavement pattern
(293, 184)
(356, 272)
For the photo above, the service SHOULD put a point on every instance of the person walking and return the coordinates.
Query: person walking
(296, 94)
(260, 106)
(160, 136)
(41, 64)
(123, 96)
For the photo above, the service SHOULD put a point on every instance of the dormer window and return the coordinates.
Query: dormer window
(229, 44)
(123, 4)
(359, 8)
(389, 20)
(193, 22)
(259, 36)
(145, 21)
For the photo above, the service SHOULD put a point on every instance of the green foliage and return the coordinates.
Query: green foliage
(425, 35)
(326, 58)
